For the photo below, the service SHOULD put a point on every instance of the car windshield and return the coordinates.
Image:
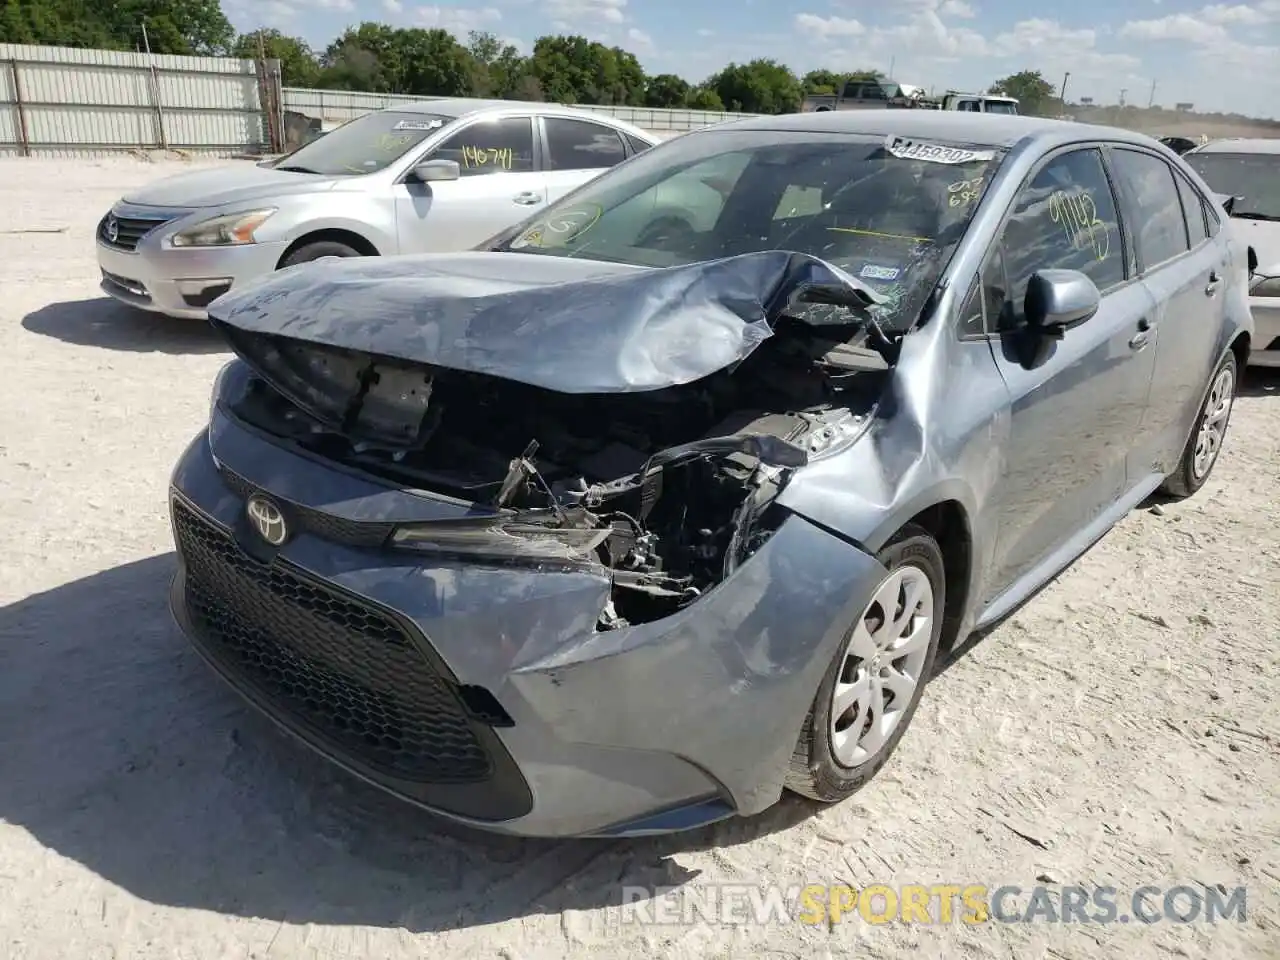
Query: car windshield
(862, 203)
(1002, 106)
(366, 144)
(1254, 178)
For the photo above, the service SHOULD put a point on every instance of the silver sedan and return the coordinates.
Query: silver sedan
(428, 177)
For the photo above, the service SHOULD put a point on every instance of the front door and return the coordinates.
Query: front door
(499, 186)
(1185, 271)
(1076, 403)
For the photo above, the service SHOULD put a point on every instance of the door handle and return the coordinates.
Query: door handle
(1142, 337)
(1211, 287)
(528, 198)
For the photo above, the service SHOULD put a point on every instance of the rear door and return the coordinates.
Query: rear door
(577, 150)
(1186, 273)
(1075, 403)
(499, 186)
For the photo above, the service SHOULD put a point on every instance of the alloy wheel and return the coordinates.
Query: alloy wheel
(1213, 422)
(882, 666)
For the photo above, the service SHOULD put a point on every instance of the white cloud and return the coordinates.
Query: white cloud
(1177, 26)
(457, 20)
(1234, 15)
(393, 7)
(826, 27)
(573, 12)
(640, 41)
(958, 9)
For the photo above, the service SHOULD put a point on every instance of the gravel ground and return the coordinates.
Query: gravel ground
(1121, 730)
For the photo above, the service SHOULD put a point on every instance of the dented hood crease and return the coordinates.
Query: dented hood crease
(574, 326)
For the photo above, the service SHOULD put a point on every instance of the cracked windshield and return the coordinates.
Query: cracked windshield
(887, 211)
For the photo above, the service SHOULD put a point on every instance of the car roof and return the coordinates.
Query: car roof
(1240, 145)
(991, 129)
(465, 106)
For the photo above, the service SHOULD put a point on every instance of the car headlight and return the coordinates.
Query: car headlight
(233, 229)
(1264, 287)
(535, 535)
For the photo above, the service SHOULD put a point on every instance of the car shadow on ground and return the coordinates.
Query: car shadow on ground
(111, 325)
(120, 750)
(1260, 382)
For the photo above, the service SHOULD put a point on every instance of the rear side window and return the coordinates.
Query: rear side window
(1157, 218)
(582, 145)
(1065, 218)
(491, 146)
(1194, 211)
(637, 145)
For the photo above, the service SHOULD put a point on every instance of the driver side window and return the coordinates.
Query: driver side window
(1065, 218)
(490, 146)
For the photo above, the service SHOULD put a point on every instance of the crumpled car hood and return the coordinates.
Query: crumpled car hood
(574, 326)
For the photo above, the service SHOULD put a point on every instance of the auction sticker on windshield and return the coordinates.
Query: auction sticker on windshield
(906, 149)
(419, 125)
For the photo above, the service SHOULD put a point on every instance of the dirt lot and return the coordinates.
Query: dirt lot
(1123, 729)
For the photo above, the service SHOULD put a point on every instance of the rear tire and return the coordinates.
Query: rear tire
(1205, 443)
(848, 734)
(320, 248)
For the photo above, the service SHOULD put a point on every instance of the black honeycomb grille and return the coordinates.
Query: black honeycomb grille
(323, 525)
(319, 657)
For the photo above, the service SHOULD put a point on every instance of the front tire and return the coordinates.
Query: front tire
(1205, 443)
(871, 689)
(314, 251)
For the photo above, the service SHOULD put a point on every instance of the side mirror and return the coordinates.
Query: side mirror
(433, 171)
(1058, 300)
(1252, 260)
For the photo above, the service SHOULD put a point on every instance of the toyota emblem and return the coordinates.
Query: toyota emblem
(267, 520)
(113, 229)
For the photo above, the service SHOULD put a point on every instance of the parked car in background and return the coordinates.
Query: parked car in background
(1248, 171)
(856, 94)
(423, 177)
(614, 527)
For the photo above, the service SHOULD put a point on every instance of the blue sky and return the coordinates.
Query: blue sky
(1221, 56)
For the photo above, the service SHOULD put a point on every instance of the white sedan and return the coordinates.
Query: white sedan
(427, 177)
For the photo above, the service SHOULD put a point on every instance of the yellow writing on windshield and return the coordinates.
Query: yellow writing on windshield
(391, 142)
(964, 192)
(1077, 214)
(502, 158)
(877, 233)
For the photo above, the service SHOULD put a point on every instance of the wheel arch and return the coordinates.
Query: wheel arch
(948, 522)
(333, 235)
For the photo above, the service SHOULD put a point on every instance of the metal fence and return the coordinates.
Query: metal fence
(332, 107)
(56, 101)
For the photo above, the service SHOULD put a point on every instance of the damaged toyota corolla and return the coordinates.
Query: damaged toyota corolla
(666, 500)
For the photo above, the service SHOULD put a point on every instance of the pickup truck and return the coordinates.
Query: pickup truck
(887, 95)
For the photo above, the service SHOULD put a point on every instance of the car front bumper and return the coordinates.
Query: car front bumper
(485, 693)
(1266, 331)
(181, 282)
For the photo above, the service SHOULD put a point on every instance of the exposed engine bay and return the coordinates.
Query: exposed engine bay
(669, 489)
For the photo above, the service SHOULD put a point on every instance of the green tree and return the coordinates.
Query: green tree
(666, 90)
(761, 86)
(298, 64)
(498, 70)
(704, 98)
(1035, 94)
(172, 26)
(196, 27)
(828, 82)
(572, 69)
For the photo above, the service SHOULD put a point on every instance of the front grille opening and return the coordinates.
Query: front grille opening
(129, 231)
(326, 661)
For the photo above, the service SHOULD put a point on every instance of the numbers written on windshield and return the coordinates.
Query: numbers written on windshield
(502, 158)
